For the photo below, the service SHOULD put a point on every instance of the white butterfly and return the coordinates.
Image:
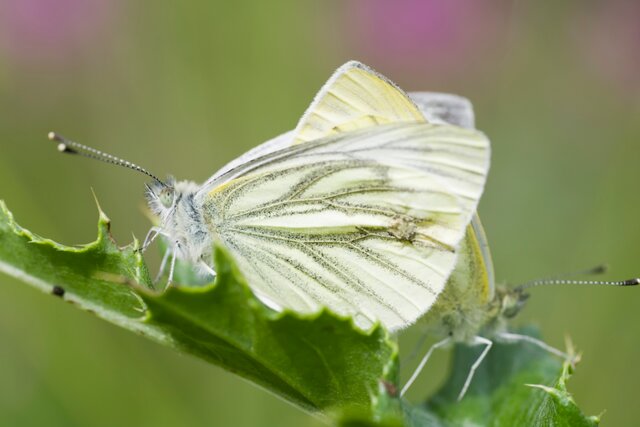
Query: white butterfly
(360, 209)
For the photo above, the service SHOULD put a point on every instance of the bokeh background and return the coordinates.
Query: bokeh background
(183, 87)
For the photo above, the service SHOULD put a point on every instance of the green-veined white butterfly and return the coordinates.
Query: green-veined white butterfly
(360, 209)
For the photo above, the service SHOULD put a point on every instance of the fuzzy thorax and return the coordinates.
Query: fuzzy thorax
(181, 219)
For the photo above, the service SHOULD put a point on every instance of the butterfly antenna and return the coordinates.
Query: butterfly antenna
(599, 269)
(71, 147)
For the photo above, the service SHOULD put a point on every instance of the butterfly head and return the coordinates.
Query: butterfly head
(170, 199)
(511, 301)
(161, 197)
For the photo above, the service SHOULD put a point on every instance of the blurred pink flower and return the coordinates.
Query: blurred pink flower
(608, 36)
(436, 36)
(52, 30)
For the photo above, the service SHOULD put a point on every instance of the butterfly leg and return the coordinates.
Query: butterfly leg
(206, 267)
(422, 363)
(163, 265)
(477, 340)
(173, 264)
(508, 337)
(151, 236)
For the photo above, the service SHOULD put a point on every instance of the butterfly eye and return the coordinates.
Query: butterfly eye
(166, 197)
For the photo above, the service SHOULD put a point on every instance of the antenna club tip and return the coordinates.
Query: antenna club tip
(55, 137)
(632, 282)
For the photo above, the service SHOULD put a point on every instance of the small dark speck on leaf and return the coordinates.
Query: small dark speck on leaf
(391, 388)
(57, 291)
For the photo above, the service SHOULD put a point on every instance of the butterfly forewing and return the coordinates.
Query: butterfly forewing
(365, 223)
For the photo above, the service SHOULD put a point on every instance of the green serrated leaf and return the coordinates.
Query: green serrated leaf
(317, 362)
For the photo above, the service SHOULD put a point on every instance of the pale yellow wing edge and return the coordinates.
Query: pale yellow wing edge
(355, 97)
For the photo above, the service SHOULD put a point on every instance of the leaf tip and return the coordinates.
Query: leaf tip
(103, 216)
(4, 210)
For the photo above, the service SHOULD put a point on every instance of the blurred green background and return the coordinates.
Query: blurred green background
(183, 87)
